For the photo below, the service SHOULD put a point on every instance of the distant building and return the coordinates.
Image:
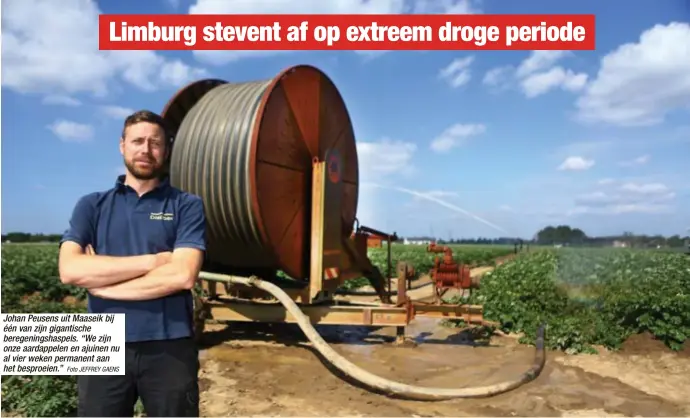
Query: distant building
(417, 241)
(621, 244)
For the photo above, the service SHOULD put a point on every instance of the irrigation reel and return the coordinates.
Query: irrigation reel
(275, 163)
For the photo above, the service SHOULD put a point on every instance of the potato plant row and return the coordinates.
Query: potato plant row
(590, 297)
(32, 268)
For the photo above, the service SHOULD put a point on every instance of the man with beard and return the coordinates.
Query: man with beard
(138, 248)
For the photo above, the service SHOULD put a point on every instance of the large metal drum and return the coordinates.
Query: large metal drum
(247, 150)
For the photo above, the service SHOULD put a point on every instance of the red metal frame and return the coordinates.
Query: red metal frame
(447, 273)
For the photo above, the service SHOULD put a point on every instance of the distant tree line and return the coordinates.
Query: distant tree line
(565, 235)
(481, 241)
(551, 235)
(24, 237)
(568, 236)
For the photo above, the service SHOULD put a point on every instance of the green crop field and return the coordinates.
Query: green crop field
(591, 296)
(417, 256)
(30, 284)
(474, 255)
(31, 269)
(586, 298)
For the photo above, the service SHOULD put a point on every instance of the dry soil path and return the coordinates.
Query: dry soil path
(272, 370)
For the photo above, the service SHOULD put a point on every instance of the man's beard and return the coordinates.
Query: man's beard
(146, 174)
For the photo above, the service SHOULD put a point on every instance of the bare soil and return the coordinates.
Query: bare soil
(271, 369)
(262, 369)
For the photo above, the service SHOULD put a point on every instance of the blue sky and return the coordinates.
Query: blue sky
(456, 143)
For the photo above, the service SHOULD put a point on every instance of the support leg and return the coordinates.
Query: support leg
(401, 339)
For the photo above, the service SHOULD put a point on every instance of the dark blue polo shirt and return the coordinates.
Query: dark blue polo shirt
(117, 222)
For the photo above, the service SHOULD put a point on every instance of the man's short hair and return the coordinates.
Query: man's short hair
(146, 116)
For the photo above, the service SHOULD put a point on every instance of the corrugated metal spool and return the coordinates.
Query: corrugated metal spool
(247, 150)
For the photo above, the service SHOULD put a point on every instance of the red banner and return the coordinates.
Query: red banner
(347, 32)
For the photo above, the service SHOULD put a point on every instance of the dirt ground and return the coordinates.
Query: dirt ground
(272, 370)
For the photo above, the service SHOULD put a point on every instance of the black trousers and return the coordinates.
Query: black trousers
(164, 374)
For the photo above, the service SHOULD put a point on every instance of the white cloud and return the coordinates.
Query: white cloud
(576, 164)
(384, 157)
(69, 131)
(538, 61)
(378, 161)
(640, 83)
(605, 150)
(318, 7)
(594, 197)
(588, 147)
(537, 75)
(457, 73)
(540, 83)
(626, 198)
(455, 136)
(567, 199)
(646, 189)
(498, 76)
(116, 112)
(641, 160)
(455, 7)
(51, 47)
(177, 73)
(149, 71)
(61, 100)
(642, 208)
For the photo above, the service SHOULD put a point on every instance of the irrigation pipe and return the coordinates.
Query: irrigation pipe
(386, 386)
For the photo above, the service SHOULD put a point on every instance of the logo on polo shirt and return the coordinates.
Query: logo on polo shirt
(160, 216)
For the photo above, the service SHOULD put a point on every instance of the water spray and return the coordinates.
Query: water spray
(444, 204)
